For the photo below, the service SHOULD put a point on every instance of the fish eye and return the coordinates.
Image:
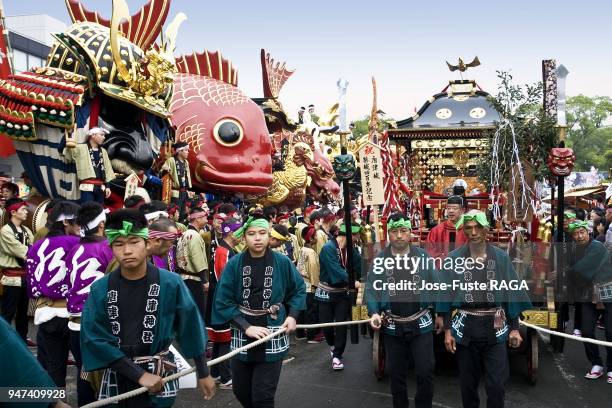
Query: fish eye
(228, 132)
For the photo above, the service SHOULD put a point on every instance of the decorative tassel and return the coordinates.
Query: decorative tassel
(500, 319)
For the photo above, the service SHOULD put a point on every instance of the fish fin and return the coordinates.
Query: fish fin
(274, 75)
(209, 64)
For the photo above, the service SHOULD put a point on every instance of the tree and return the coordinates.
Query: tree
(524, 121)
(587, 133)
(361, 126)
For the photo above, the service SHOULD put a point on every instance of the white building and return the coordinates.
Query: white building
(30, 40)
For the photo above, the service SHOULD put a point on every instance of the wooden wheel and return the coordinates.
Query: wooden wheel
(532, 356)
(378, 354)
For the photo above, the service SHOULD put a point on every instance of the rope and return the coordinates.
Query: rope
(141, 390)
(567, 336)
(270, 336)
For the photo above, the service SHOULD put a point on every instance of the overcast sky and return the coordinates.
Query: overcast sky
(404, 44)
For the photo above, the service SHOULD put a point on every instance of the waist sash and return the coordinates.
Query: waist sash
(326, 287)
(13, 272)
(95, 182)
(498, 313)
(389, 318)
(272, 311)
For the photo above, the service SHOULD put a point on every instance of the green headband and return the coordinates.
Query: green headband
(401, 223)
(480, 218)
(569, 214)
(354, 229)
(577, 224)
(113, 234)
(251, 222)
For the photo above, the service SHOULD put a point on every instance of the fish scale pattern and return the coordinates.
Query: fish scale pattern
(194, 88)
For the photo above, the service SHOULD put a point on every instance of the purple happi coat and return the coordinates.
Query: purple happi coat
(46, 272)
(86, 263)
(166, 263)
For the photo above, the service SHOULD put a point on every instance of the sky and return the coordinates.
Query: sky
(403, 44)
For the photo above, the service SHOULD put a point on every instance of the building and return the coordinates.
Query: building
(30, 39)
(444, 141)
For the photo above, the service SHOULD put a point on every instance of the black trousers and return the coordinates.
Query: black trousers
(96, 195)
(309, 316)
(85, 393)
(53, 341)
(222, 369)
(15, 305)
(578, 316)
(336, 311)
(589, 322)
(197, 291)
(399, 352)
(254, 384)
(180, 202)
(471, 360)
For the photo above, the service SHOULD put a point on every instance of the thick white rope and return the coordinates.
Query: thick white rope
(141, 390)
(567, 336)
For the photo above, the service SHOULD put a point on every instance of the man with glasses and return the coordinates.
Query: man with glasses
(405, 316)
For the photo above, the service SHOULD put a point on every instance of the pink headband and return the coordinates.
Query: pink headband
(170, 236)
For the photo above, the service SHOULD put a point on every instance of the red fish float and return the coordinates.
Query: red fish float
(226, 131)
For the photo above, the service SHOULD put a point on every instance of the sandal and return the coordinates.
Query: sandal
(609, 379)
(595, 373)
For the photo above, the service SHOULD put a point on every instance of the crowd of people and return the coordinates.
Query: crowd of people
(117, 289)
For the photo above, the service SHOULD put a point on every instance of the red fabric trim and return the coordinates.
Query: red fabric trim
(94, 112)
(95, 182)
(224, 336)
(13, 272)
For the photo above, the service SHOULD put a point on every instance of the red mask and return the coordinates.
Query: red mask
(561, 161)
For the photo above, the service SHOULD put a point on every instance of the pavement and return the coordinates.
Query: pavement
(307, 381)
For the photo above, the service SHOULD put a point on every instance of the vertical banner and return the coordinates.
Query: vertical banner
(549, 79)
(371, 166)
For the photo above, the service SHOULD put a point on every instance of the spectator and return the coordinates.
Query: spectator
(9, 190)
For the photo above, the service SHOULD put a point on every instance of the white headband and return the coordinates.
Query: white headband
(66, 217)
(155, 215)
(97, 130)
(180, 149)
(96, 221)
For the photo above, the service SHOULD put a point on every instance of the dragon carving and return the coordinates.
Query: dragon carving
(303, 170)
(306, 170)
(289, 185)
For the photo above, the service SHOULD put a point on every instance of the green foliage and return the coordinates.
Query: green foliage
(534, 132)
(361, 127)
(587, 132)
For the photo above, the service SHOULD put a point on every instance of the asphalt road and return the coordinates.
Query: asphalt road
(307, 381)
